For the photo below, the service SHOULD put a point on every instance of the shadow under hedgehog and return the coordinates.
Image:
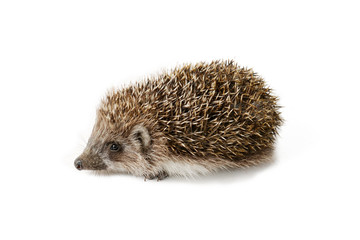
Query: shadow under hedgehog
(194, 120)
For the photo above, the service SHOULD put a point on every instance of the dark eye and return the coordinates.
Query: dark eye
(114, 147)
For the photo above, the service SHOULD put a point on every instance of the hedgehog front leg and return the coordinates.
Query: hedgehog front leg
(160, 176)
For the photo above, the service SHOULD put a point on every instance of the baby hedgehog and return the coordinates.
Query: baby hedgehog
(194, 120)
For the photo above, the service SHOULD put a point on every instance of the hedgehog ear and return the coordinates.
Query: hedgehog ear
(140, 137)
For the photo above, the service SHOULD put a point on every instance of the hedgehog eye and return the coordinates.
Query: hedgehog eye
(114, 147)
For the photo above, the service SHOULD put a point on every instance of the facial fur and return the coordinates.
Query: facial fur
(118, 152)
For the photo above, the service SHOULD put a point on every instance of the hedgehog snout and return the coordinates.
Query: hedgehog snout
(78, 164)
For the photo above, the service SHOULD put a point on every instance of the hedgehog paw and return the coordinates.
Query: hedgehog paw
(159, 176)
(162, 175)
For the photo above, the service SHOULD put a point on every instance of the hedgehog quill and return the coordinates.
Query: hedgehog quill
(193, 120)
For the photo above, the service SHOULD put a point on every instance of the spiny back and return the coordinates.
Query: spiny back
(207, 109)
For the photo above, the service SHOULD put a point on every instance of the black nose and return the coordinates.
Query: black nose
(78, 164)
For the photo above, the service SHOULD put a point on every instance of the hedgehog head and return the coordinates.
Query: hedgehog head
(117, 143)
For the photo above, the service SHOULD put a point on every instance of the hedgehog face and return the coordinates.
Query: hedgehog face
(110, 151)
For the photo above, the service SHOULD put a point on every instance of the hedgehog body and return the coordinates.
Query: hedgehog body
(193, 120)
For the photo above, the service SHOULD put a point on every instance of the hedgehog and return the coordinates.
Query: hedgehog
(193, 120)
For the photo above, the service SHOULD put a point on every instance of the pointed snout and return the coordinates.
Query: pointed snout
(79, 164)
(86, 162)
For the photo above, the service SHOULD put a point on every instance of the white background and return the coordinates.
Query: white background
(58, 58)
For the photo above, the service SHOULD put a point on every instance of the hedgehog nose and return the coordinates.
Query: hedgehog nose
(78, 164)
